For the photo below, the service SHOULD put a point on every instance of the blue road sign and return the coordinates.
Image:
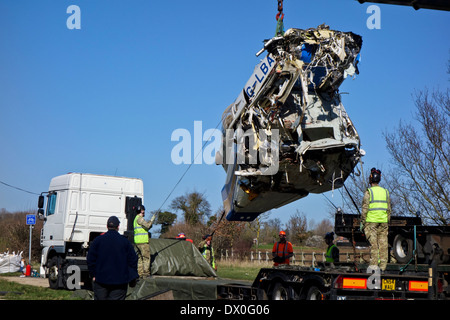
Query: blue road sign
(31, 219)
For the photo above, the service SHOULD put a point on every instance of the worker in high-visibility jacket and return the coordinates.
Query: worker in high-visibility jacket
(332, 254)
(375, 218)
(207, 251)
(141, 238)
(282, 251)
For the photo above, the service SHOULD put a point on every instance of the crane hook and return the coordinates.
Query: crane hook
(280, 10)
(280, 16)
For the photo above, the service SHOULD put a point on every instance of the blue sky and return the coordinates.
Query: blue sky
(106, 98)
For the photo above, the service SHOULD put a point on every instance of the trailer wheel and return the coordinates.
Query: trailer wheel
(403, 248)
(281, 292)
(314, 293)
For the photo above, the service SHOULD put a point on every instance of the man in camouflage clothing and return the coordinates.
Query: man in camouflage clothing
(375, 217)
(141, 228)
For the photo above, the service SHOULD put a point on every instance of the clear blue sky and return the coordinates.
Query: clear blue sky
(106, 98)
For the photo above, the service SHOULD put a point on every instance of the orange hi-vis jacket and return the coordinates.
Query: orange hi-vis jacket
(282, 250)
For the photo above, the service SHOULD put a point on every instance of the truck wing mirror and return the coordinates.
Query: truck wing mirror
(41, 202)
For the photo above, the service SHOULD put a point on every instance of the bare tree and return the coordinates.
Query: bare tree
(421, 155)
(356, 186)
(257, 225)
(323, 227)
(226, 233)
(270, 231)
(297, 227)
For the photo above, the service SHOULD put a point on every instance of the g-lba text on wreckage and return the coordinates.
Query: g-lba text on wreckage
(287, 134)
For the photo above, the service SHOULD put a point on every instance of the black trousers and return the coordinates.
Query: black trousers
(110, 291)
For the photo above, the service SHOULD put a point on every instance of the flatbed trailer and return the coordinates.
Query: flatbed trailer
(344, 281)
(354, 280)
(419, 269)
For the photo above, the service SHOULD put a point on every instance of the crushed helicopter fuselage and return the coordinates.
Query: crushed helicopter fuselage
(288, 134)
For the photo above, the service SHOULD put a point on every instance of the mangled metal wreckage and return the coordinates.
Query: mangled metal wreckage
(288, 134)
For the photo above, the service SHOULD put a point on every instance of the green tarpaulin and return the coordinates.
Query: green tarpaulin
(178, 258)
(178, 266)
(183, 288)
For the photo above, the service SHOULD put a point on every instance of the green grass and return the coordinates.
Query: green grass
(240, 270)
(297, 248)
(263, 247)
(10, 290)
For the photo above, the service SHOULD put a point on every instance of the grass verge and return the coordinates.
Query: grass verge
(240, 270)
(10, 290)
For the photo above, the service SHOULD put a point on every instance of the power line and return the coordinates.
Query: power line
(17, 188)
(190, 165)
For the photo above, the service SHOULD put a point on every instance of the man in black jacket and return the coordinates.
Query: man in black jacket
(112, 263)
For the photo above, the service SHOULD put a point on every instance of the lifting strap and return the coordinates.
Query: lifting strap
(279, 17)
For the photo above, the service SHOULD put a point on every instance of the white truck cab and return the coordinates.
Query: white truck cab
(78, 207)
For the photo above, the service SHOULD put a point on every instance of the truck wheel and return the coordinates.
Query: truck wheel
(403, 248)
(53, 273)
(280, 292)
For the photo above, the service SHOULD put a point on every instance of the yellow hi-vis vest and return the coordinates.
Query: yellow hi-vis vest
(212, 261)
(140, 234)
(378, 205)
(328, 256)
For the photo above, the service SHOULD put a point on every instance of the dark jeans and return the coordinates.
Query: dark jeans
(110, 291)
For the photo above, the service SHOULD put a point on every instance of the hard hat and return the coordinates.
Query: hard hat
(375, 175)
(140, 208)
(329, 235)
(181, 236)
(282, 233)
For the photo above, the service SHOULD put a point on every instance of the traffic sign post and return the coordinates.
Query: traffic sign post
(31, 221)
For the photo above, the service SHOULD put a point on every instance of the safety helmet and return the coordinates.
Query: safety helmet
(181, 236)
(140, 208)
(375, 175)
(329, 235)
(282, 233)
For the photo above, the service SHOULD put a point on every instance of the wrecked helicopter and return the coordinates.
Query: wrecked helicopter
(287, 134)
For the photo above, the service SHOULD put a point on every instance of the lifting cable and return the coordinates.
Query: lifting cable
(351, 198)
(189, 167)
(330, 201)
